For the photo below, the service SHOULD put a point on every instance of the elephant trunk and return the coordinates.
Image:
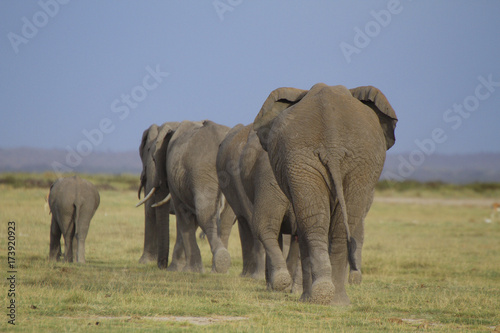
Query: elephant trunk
(163, 223)
(139, 190)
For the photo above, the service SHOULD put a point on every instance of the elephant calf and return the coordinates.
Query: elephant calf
(73, 202)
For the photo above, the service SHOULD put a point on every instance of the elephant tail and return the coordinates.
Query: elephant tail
(72, 222)
(351, 242)
(221, 204)
(77, 204)
(339, 191)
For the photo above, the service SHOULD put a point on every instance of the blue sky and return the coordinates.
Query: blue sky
(95, 74)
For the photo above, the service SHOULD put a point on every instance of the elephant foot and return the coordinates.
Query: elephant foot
(193, 269)
(297, 288)
(355, 277)
(281, 280)
(258, 275)
(245, 273)
(162, 263)
(147, 257)
(322, 292)
(175, 267)
(221, 261)
(54, 258)
(341, 298)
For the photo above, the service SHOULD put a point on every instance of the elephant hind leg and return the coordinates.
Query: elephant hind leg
(315, 290)
(55, 240)
(207, 220)
(186, 222)
(311, 203)
(178, 254)
(69, 235)
(246, 240)
(82, 228)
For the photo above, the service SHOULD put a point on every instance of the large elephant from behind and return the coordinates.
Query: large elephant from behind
(153, 216)
(327, 148)
(186, 166)
(73, 202)
(263, 211)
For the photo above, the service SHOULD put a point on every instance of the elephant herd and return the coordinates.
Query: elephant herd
(307, 166)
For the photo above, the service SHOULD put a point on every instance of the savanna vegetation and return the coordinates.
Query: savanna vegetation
(432, 267)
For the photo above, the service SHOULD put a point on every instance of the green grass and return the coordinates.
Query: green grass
(413, 188)
(427, 267)
(44, 180)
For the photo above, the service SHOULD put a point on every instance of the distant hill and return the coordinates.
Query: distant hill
(42, 160)
(460, 169)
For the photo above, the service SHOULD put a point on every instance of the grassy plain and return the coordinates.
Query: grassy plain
(428, 265)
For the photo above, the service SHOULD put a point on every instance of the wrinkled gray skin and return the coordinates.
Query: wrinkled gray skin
(152, 216)
(228, 172)
(73, 202)
(188, 165)
(263, 211)
(327, 148)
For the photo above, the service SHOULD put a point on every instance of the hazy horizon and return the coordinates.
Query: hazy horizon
(92, 76)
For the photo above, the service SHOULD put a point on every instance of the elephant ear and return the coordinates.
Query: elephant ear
(278, 100)
(165, 133)
(377, 101)
(147, 136)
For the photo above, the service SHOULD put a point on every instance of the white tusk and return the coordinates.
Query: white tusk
(147, 197)
(164, 201)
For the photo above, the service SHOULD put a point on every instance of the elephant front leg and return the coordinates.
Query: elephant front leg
(162, 236)
(151, 231)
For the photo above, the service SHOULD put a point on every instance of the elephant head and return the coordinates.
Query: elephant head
(152, 183)
(147, 143)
